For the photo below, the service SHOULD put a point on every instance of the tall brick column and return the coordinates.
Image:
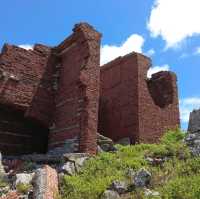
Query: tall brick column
(76, 85)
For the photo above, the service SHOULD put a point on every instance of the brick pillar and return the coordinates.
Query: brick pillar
(76, 85)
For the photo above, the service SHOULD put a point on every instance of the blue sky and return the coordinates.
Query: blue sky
(166, 30)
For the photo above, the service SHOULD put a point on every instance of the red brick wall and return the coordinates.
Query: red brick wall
(158, 102)
(42, 104)
(21, 71)
(20, 75)
(77, 89)
(133, 106)
(56, 89)
(118, 116)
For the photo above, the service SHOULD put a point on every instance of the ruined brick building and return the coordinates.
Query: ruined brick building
(59, 98)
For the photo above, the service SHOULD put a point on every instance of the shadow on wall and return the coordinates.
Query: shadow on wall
(20, 135)
(161, 88)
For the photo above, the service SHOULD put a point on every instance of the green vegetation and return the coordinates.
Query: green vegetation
(3, 182)
(177, 178)
(23, 188)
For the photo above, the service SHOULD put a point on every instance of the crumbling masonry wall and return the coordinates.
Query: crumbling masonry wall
(20, 73)
(158, 102)
(51, 94)
(77, 90)
(118, 116)
(54, 99)
(132, 105)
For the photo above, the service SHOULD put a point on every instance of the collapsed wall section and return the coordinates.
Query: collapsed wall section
(118, 111)
(131, 105)
(76, 85)
(158, 102)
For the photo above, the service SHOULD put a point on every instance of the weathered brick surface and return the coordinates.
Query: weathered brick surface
(20, 74)
(50, 96)
(118, 116)
(158, 102)
(77, 89)
(133, 106)
(54, 89)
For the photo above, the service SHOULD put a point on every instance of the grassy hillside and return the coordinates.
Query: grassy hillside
(178, 177)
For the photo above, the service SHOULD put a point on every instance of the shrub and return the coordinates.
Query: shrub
(182, 188)
(23, 188)
(172, 137)
(99, 172)
(93, 179)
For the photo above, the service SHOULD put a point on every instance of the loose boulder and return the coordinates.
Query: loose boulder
(105, 143)
(194, 121)
(110, 194)
(142, 178)
(151, 193)
(68, 168)
(45, 183)
(119, 186)
(24, 178)
(193, 136)
(78, 159)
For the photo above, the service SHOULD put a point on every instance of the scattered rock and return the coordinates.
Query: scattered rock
(105, 143)
(70, 146)
(78, 159)
(11, 195)
(4, 190)
(2, 172)
(124, 141)
(193, 136)
(42, 158)
(142, 178)
(119, 186)
(68, 168)
(99, 149)
(130, 174)
(24, 178)
(148, 192)
(155, 161)
(194, 121)
(45, 183)
(109, 194)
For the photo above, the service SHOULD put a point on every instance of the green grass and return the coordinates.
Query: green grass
(177, 178)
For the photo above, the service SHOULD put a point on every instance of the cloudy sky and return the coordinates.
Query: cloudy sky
(166, 30)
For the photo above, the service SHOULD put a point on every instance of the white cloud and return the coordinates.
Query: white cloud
(174, 20)
(186, 106)
(184, 55)
(197, 52)
(150, 52)
(156, 69)
(26, 46)
(110, 52)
